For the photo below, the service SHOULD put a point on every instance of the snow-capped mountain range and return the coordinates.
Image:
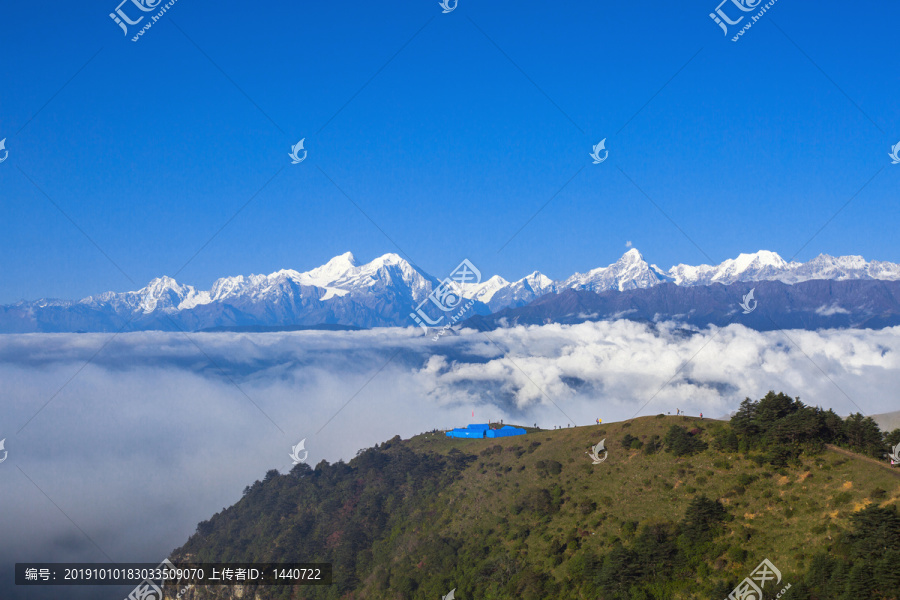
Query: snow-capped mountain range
(386, 290)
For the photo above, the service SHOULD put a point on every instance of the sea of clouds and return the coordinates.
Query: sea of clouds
(120, 444)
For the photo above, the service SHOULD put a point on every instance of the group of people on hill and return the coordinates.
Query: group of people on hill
(678, 411)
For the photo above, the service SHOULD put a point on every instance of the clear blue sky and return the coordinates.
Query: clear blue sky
(480, 117)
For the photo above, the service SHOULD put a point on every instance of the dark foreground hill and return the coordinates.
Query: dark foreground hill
(681, 508)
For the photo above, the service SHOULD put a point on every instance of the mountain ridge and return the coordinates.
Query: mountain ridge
(385, 290)
(812, 304)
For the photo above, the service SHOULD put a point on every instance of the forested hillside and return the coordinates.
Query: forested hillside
(681, 508)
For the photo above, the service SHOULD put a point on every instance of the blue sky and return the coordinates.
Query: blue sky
(449, 131)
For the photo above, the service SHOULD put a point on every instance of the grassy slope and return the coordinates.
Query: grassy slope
(791, 515)
(786, 516)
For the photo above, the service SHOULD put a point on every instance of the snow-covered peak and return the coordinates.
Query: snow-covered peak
(163, 293)
(756, 261)
(161, 285)
(761, 265)
(629, 272)
(485, 290)
(840, 268)
(334, 269)
(538, 281)
(390, 283)
(388, 259)
(632, 256)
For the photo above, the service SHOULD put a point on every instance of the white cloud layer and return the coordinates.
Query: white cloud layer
(157, 431)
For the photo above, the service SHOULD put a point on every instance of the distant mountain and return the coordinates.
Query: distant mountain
(768, 266)
(273, 328)
(386, 290)
(815, 304)
(380, 293)
(888, 421)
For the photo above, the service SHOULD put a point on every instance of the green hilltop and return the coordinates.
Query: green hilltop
(681, 508)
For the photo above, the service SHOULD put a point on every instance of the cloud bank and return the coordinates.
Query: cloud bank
(130, 440)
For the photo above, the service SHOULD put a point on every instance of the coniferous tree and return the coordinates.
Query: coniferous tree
(773, 407)
(892, 438)
(744, 420)
(863, 435)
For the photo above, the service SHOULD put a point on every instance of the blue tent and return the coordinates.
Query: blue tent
(470, 431)
(481, 430)
(505, 431)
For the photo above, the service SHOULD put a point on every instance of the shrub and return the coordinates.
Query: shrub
(631, 442)
(653, 445)
(737, 490)
(517, 450)
(538, 501)
(736, 554)
(745, 479)
(681, 443)
(495, 449)
(702, 518)
(778, 456)
(877, 494)
(841, 498)
(725, 440)
(586, 507)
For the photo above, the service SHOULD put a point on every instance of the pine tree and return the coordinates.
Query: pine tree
(744, 419)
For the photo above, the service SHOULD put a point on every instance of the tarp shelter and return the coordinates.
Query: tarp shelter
(476, 430)
(505, 431)
(481, 430)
